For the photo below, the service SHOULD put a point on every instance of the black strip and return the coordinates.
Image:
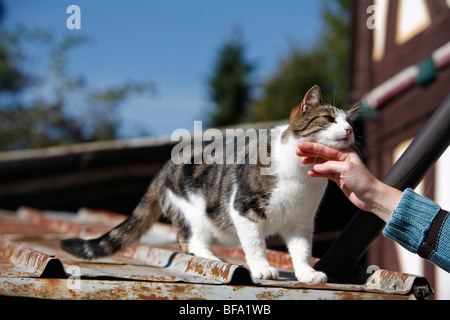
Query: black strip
(312, 132)
(307, 125)
(432, 238)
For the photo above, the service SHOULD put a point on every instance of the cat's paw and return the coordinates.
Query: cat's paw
(311, 277)
(266, 273)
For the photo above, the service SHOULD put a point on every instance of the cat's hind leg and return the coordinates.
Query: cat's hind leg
(200, 244)
(194, 229)
(253, 242)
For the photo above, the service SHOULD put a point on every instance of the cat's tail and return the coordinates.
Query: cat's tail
(128, 232)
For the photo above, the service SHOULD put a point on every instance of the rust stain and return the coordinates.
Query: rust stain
(29, 260)
(209, 269)
(393, 280)
(87, 228)
(280, 259)
(221, 272)
(101, 216)
(38, 218)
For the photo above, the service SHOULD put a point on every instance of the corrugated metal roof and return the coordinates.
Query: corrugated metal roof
(33, 265)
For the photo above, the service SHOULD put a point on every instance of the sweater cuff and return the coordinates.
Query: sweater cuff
(411, 220)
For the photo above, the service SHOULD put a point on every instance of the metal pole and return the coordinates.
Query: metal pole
(430, 143)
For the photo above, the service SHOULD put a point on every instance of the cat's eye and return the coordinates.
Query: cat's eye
(330, 119)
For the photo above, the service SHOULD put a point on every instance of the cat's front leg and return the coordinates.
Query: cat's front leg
(299, 243)
(254, 245)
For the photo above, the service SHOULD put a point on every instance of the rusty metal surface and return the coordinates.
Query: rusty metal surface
(33, 265)
(18, 260)
(139, 290)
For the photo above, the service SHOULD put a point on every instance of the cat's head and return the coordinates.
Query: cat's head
(313, 120)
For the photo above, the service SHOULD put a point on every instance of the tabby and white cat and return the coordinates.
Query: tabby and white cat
(235, 203)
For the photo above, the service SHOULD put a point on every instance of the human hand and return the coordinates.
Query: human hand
(346, 169)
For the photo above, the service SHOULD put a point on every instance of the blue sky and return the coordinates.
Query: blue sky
(172, 43)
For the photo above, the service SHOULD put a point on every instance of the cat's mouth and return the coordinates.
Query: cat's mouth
(337, 142)
(345, 142)
(340, 143)
(346, 139)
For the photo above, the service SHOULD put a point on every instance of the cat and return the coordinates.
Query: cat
(235, 204)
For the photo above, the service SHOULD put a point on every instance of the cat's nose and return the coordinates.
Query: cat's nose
(349, 130)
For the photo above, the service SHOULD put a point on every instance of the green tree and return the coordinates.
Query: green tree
(326, 65)
(11, 78)
(229, 85)
(35, 106)
(297, 74)
(336, 47)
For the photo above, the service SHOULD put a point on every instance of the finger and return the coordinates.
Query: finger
(315, 174)
(312, 149)
(316, 149)
(312, 160)
(311, 155)
(330, 167)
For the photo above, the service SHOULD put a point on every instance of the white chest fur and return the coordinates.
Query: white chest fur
(296, 196)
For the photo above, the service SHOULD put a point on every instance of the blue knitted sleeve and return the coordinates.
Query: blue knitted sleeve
(419, 225)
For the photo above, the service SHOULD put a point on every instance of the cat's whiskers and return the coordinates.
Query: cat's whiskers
(315, 158)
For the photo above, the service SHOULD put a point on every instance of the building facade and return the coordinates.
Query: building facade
(400, 74)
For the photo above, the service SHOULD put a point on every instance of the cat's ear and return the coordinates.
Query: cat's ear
(313, 98)
(352, 113)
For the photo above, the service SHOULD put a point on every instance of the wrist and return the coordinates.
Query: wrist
(384, 201)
